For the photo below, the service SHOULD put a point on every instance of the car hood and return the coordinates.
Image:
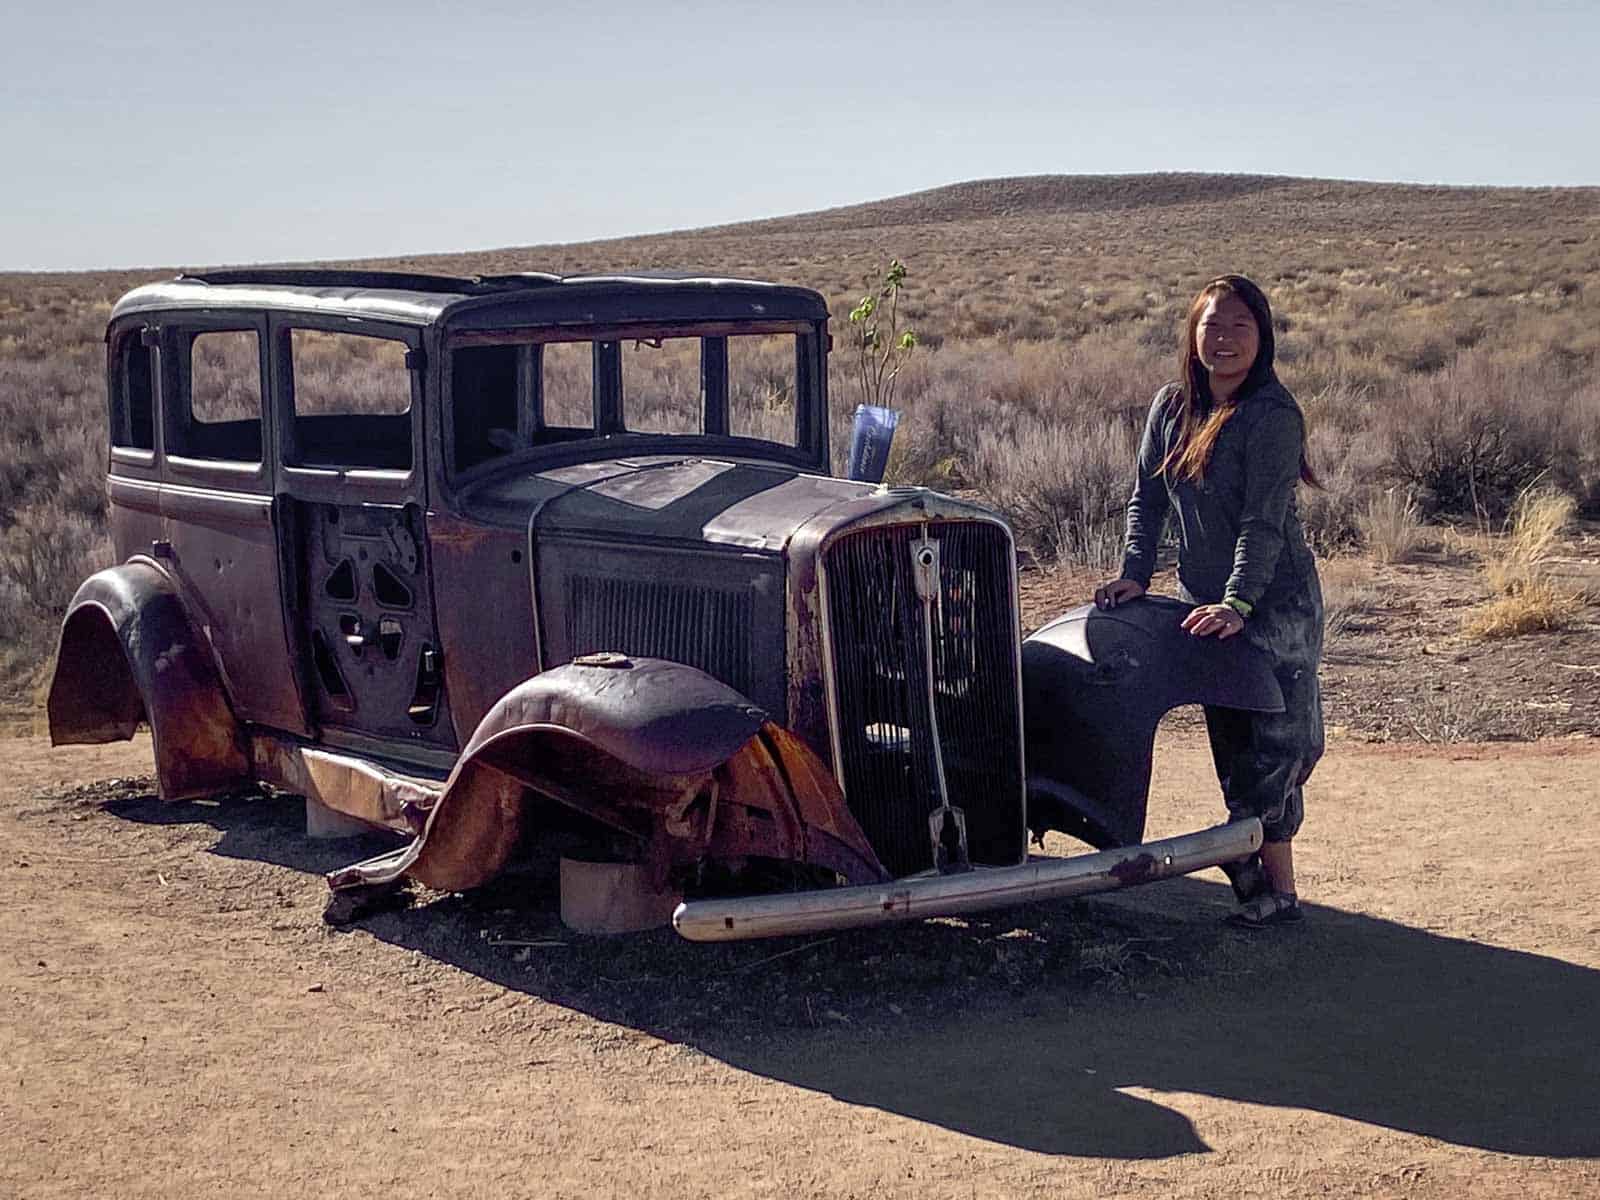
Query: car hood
(757, 506)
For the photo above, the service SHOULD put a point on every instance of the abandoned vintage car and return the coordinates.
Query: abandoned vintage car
(502, 563)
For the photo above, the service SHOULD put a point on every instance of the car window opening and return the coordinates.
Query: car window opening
(218, 410)
(351, 401)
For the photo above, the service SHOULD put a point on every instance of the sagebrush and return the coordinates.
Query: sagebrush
(1443, 342)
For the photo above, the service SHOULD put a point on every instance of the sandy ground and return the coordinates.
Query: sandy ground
(179, 1022)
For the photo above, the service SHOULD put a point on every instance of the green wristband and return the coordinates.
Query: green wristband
(1243, 607)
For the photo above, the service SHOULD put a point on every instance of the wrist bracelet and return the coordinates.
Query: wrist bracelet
(1243, 607)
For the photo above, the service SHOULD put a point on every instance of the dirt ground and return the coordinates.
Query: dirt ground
(179, 1021)
(1397, 666)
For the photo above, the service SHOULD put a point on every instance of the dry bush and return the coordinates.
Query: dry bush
(1447, 715)
(1538, 606)
(1443, 340)
(1538, 518)
(1391, 527)
(45, 553)
(1526, 599)
(1062, 484)
(1472, 437)
(1331, 514)
(1350, 595)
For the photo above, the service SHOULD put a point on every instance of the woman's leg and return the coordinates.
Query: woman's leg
(1228, 730)
(1278, 858)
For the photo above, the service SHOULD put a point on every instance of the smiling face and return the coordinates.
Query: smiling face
(1226, 340)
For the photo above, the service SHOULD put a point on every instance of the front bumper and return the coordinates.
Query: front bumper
(970, 891)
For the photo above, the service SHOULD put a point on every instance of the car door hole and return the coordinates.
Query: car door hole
(341, 583)
(424, 706)
(328, 671)
(351, 629)
(390, 635)
(388, 587)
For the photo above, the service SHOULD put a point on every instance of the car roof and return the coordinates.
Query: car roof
(481, 301)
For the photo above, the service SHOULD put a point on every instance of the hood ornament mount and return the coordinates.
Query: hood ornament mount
(947, 825)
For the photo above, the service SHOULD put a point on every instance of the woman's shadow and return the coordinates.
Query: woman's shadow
(995, 1027)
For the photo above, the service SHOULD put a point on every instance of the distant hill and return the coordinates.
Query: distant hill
(1276, 204)
(1052, 255)
(1049, 256)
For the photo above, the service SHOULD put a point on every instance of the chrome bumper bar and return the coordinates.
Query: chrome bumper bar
(970, 891)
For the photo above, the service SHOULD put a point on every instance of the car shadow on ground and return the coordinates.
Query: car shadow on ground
(1025, 1027)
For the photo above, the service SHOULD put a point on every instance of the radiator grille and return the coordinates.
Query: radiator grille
(886, 749)
(702, 627)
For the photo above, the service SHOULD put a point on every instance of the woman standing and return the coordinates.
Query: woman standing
(1223, 450)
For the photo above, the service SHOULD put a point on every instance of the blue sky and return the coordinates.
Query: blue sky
(176, 133)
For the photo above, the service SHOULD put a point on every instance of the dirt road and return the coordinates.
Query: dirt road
(178, 1022)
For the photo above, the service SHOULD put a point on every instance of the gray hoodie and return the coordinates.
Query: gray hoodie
(1239, 532)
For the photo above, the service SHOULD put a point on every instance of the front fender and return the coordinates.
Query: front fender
(1095, 684)
(128, 651)
(659, 753)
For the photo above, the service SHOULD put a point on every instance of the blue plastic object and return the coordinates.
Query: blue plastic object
(870, 442)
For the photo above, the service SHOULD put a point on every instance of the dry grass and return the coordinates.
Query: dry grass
(1526, 599)
(1391, 527)
(1350, 595)
(1443, 341)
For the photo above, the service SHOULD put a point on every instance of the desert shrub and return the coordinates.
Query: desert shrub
(1346, 466)
(44, 555)
(1470, 438)
(1063, 485)
(52, 415)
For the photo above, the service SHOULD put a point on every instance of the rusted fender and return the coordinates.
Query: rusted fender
(1095, 684)
(675, 762)
(128, 652)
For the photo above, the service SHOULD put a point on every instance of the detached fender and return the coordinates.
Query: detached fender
(679, 764)
(1095, 685)
(128, 652)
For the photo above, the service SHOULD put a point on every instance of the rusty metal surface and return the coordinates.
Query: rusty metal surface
(224, 556)
(351, 786)
(653, 716)
(675, 764)
(128, 648)
(1095, 686)
(484, 611)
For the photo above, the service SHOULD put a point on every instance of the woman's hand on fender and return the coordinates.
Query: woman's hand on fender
(1211, 619)
(1114, 591)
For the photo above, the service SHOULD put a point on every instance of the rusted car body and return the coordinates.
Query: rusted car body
(499, 561)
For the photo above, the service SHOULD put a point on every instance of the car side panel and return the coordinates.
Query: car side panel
(484, 610)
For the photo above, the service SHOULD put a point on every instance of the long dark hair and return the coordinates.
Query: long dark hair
(1200, 418)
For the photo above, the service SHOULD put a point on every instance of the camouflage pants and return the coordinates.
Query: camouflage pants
(1264, 759)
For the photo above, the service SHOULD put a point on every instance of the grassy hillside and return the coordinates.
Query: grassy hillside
(1444, 341)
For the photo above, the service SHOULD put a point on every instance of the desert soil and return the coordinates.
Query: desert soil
(179, 1021)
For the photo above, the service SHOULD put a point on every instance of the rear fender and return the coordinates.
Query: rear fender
(128, 652)
(1095, 685)
(660, 753)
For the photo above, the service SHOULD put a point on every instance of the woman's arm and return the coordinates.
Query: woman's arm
(1273, 447)
(1147, 507)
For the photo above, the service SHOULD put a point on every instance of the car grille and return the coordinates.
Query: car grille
(686, 623)
(885, 736)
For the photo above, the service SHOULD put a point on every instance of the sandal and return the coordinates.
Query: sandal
(1271, 908)
(1248, 877)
